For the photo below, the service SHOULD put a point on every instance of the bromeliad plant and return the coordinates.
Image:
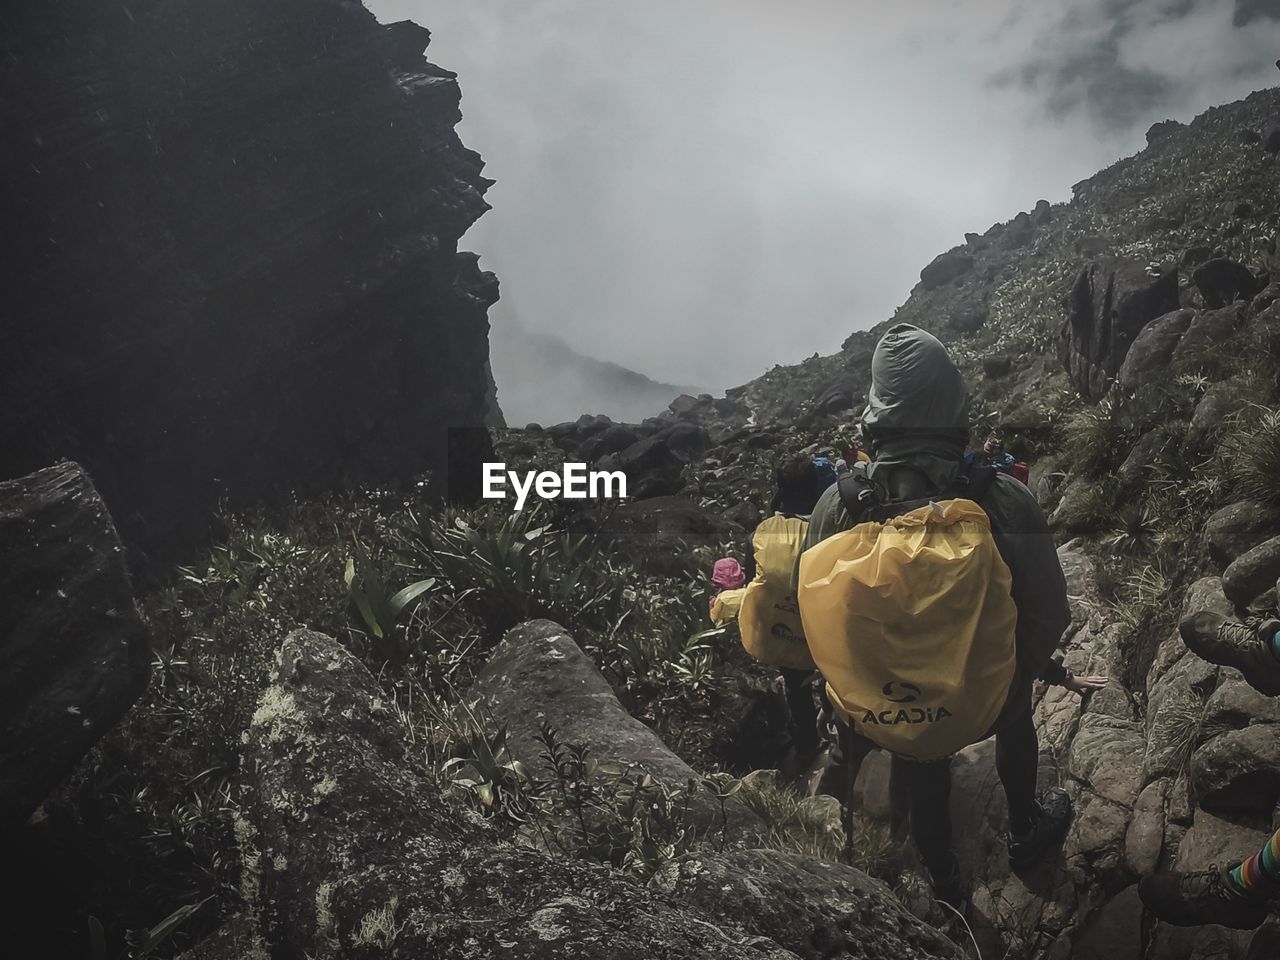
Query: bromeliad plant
(379, 608)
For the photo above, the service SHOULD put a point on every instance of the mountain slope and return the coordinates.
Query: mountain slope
(1210, 184)
(542, 378)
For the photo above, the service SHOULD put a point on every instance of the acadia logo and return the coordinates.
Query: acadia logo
(901, 692)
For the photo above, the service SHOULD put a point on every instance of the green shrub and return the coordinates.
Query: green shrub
(1251, 449)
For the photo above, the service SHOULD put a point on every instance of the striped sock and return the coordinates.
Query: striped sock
(1261, 872)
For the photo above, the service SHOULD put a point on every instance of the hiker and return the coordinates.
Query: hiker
(825, 472)
(768, 617)
(911, 665)
(1239, 894)
(727, 583)
(993, 455)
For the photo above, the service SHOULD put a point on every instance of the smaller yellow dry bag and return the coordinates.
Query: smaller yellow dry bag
(769, 619)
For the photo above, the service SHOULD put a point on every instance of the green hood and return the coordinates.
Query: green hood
(916, 391)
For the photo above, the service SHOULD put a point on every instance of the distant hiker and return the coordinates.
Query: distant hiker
(994, 455)
(932, 596)
(727, 582)
(825, 471)
(1239, 894)
(768, 618)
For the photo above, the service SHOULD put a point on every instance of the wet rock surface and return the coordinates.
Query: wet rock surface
(538, 675)
(76, 656)
(1110, 303)
(813, 908)
(351, 849)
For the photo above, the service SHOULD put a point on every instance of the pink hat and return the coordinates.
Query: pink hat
(728, 574)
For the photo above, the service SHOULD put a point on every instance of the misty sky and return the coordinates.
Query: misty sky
(698, 189)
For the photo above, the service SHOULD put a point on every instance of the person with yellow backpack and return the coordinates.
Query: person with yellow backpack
(766, 610)
(931, 597)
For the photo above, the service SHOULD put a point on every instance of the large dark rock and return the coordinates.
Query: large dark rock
(233, 264)
(653, 469)
(75, 654)
(1109, 304)
(1222, 281)
(1252, 573)
(944, 268)
(1239, 771)
(820, 911)
(350, 848)
(1238, 528)
(1152, 349)
(538, 674)
(1208, 331)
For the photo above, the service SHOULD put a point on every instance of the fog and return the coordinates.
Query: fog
(700, 190)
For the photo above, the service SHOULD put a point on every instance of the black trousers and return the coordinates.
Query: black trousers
(925, 787)
(798, 686)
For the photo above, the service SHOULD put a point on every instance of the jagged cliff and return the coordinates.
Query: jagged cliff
(231, 266)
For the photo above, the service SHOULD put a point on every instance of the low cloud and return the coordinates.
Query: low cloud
(700, 191)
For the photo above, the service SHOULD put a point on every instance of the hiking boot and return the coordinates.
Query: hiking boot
(1206, 896)
(1231, 643)
(1053, 816)
(949, 886)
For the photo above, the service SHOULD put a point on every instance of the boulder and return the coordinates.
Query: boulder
(612, 439)
(1158, 131)
(1078, 511)
(1235, 705)
(1109, 304)
(1134, 469)
(1252, 573)
(1239, 771)
(1222, 281)
(1194, 256)
(945, 268)
(1207, 420)
(1208, 332)
(349, 846)
(684, 405)
(687, 441)
(1113, 932)
(537, 675)
(1237, 528)
(1144, 838)
(997, 366)
(1217, 840)
(1042, 214)
(652, 468)
(817, 910)
(1265, 299)
(1271, 138)
(834, 399)
(1152, 349)
(76, 656)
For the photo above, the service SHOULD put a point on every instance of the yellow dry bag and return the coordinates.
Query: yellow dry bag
(910, 619)
(769, 618)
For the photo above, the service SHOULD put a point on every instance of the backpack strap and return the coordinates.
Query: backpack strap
(857, 493)
(972, 482)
